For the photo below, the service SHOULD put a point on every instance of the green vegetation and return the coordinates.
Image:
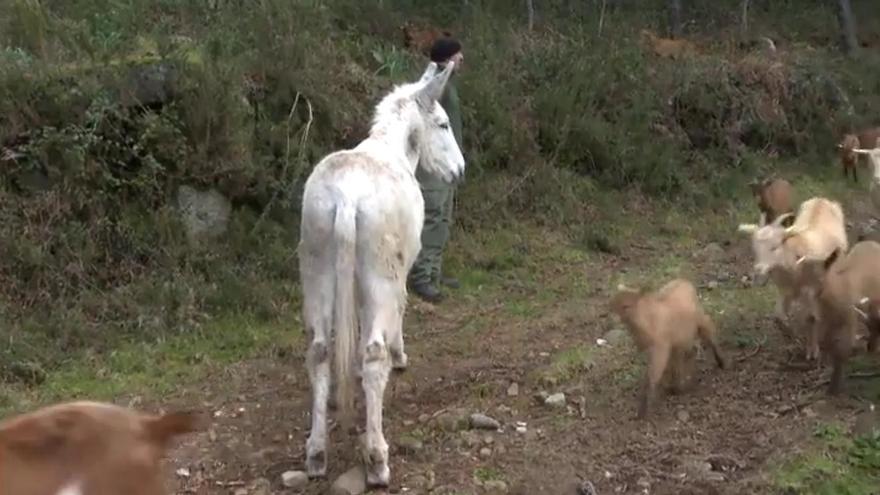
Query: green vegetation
(109, 107)
(839, 465)
(160, 367)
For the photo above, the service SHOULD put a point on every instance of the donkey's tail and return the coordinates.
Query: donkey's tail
(345, 320)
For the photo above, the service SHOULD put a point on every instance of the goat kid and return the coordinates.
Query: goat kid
(774, 197)
(841, 282)
(665, 325)
(866, 138)
(88, 448)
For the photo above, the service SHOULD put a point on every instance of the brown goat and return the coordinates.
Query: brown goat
(420, 39)
(665, 324)
(87, 448)
(869, 310)
(840, 283)
(667, 47)
(848, 158)
(774, 197)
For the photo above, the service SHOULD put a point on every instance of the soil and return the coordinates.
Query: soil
(724, 436)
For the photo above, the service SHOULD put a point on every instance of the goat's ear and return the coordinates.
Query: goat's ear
(786, 220)
(161, 429)
(831, 259)
(747, 228)
(755, 185)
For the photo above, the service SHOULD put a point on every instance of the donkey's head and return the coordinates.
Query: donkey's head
(439, 153)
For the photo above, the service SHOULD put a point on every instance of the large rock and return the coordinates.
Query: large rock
(295, 480)
(205, 214)
(150, 84)
(352, 482)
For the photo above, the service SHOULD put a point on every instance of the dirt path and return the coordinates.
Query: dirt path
(536, 325)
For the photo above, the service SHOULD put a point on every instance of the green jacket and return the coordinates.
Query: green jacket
(452, 105)
(450, 102)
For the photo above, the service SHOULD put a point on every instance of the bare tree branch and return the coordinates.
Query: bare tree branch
(675, 18)
(744, 20)
(530, 8)
(848, 27)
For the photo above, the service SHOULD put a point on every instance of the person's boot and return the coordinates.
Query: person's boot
(427, 292)
(450, 282)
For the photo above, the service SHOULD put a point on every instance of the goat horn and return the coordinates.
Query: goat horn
(860, 312)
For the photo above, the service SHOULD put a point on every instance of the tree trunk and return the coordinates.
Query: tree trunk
(675, 18)
(848, 27)
(744, 20)
(530, 8)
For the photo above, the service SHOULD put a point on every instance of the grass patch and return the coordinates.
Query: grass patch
(157, 368)
(568, 363)
(485, 474)
(839, 465)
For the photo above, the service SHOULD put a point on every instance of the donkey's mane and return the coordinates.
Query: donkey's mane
(390, 106)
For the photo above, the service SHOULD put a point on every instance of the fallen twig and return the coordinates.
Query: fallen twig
(797, 367)
(754, 352)
(301, 155)
(229, 483)
(797, 406)
(872, 374)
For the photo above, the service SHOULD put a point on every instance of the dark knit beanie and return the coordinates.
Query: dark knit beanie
(443, 49)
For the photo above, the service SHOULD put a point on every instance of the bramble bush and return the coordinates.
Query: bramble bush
(107, 108)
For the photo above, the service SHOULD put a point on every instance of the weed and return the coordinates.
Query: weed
(484, 474)
(568, 363)
(839, 465)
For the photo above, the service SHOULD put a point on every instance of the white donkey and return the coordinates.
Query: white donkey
(362, 219)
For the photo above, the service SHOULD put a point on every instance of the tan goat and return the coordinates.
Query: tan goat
(869, 310)
(667, 47)
(774, 197)
(841, 282)
(88, 448)
(817, 231)
(665, 325)
(848, 158)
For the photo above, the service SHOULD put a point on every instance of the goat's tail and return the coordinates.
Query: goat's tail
(345, 322)
(706, 331)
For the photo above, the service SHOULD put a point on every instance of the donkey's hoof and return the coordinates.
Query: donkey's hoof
(316, 465)
(378, 476)
(399, 362)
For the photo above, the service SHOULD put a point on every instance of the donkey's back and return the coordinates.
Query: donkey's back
(385, 200)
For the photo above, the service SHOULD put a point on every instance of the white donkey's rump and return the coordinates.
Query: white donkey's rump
(362, 218)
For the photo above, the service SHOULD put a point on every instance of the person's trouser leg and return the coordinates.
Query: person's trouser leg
(448, 208)
(435, 233)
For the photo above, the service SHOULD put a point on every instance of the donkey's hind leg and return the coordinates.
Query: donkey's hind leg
(399, 359)
(317, 316)
(383, 317)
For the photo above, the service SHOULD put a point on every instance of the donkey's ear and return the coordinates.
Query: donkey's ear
(430, 71)
(433, 89)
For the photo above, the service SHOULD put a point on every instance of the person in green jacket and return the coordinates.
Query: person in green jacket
(426, 274)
